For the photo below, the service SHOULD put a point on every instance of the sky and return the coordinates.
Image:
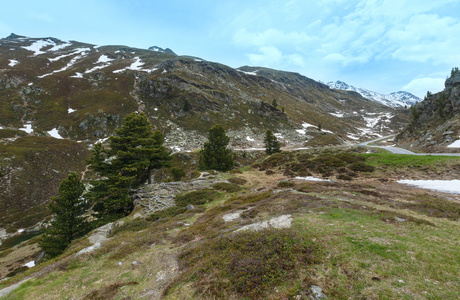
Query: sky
(381, 45)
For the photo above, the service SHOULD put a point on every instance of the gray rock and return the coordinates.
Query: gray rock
(190, 207)
(316, 293)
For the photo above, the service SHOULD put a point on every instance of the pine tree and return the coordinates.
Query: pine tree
(214, 155)
(133, 152)
(274, 103)
(69, 222)
(271, 143)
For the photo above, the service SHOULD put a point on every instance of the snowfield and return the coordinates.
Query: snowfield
(445, 186)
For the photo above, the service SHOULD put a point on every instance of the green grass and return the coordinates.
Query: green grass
(403, 160)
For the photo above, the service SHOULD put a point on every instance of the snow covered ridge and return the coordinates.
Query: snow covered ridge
(396, 99)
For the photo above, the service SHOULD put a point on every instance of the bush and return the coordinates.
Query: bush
(361, 166)
(196, 197)
(177, 174)
(350, 157)
(285, 184)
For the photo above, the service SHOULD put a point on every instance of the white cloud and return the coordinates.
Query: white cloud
(420, 86)
(270, 37)
(267, 57)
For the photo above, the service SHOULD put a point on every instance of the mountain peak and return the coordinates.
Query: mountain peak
(395, 99)
(14, 36)
(159, 49)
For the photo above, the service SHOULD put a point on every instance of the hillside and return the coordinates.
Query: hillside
(55, 93)
(435, 125)
(292, 225)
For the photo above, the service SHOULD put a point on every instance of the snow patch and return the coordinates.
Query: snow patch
(77, 75)
(13, 62)
(301, 131)
(311, 178)
(306, 125)
(20, 230)
(70, 110)
(250, 139)
(104, 59)
(248, 73)
(27, 128)
(446, 186)
(61, 46)
(38, 45)
(455, 144)
(30, 264)
(54, 133)
(338, 115)
(82, 52)
(135, 66)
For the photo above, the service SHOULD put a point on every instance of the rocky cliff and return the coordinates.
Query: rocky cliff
(435, 122)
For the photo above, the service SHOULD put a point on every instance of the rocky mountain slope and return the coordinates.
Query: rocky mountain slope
(435, 125)
(396, 99)
(59, 97)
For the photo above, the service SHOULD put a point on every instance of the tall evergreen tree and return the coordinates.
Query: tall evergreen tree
(271, 143)
(215, 155)
(133, 152)
(69, 222)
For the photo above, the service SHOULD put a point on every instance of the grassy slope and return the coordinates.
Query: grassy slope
(364, 251)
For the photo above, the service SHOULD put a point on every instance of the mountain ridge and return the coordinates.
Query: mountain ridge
(394, 99)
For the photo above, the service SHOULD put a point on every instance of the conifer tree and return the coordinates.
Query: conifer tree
(215, 155)
(69, 222)
(133, 152)
(271, 143)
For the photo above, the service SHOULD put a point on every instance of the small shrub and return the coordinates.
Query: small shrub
(237, 180)
(195, 174)
(361, 166)
(344, 177)
(226, 186)
(285, 184)
(196, 197)
(350, 157)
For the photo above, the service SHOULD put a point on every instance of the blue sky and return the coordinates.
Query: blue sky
(381, 45)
